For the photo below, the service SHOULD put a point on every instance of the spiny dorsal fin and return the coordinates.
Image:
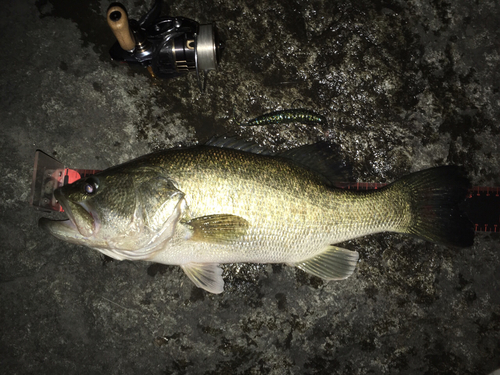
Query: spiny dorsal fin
(321, 158)
(217, 228)
(207, 276)
(238, 144)
(334, 263)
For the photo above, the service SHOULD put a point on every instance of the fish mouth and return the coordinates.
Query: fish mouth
(81, 219)
(63, 229)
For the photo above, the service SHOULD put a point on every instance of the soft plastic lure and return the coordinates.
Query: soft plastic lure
(287, 116)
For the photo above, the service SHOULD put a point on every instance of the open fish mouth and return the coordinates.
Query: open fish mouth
(82, 221)
(62, 229)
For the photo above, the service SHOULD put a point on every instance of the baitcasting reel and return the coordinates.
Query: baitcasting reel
(168, 47)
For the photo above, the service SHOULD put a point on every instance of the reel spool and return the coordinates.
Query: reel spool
(168, 47)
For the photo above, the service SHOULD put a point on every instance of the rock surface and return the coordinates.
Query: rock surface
(405, 85)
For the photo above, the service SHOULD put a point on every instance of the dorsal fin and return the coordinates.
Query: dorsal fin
(322, 158)
(238, 144)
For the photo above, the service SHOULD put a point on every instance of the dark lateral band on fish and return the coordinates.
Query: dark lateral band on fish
(302, 116)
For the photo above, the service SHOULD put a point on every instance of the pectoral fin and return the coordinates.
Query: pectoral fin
(207, 276)
(334, 263)
(217, 228)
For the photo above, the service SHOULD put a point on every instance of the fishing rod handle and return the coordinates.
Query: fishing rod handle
(118, 22)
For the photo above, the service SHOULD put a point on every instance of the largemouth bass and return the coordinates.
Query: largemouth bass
(230, 202)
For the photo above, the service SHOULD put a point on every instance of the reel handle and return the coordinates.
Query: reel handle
(118, 22)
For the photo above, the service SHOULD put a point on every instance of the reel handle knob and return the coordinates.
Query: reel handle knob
(118, 22)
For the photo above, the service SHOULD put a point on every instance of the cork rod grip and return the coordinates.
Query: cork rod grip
(118, 22)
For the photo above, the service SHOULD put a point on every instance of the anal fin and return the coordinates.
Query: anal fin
(334, 263)
(207, 276)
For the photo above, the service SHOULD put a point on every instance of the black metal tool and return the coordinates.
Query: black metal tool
(168, 47)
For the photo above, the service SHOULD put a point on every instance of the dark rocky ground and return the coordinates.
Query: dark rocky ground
(405, 85)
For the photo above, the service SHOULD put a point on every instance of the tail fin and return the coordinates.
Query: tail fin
(435, 195)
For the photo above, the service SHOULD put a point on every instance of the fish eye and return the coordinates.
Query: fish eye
(91, 185)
